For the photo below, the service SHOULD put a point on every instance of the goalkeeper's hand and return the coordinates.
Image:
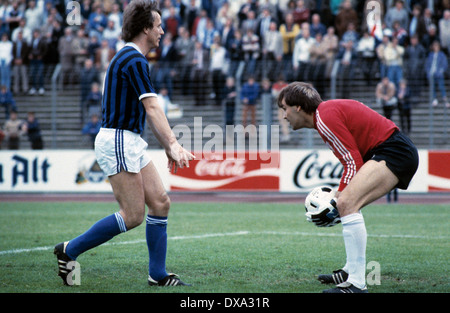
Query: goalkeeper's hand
(326, 216)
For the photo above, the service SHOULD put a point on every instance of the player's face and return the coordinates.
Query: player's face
(154, 34)
(294, 115)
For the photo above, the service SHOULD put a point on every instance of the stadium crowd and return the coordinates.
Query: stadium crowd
(205, 42)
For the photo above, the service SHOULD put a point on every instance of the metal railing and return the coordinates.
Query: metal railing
(54, 95)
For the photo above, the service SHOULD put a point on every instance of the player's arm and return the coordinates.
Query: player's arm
(177, 155)
(337, 135)
(139, 77)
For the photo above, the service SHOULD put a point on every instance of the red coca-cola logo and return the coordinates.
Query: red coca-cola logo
(220, 168)
(245, 173)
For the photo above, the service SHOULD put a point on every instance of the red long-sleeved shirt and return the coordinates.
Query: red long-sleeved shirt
(351, 129)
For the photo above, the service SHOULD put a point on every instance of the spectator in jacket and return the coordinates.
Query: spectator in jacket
(92, 128)
(301, 57)
(366, 53)
(380, 53)
(38, 49)
(184, 45)
(163, 70)
(301, 13)
(414, 58)
(386, 96)
(234, 52)
(251, 50)
(345, 16)
(79, 47)
(404, 106)
(436, 65)
(444, 31)
(249, 96)
(289, 31)
(94, 100)
(317, 26)
(229, 94)
(66, 55)
(89, 75)
(417, 26)
(97, 21)
(7, 101)
(350, 34)
(393, 55)
(397, 13)
(26, 32)
(331, 41)
(347, 59)
(20, 64)
(217, 69)
(263, 24)
(400, 33)
(34, 131)
(14, 129)
(6, 58)
(430, 37)
(318, 57)
(34, 15)
(273, 51)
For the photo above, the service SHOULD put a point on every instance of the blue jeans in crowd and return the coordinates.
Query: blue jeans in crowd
(5, 74)
(36, 73)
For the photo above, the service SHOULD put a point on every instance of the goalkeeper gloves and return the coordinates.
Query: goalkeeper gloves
(326, 216)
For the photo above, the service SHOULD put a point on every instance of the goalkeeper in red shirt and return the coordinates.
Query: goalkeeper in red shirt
(376, 157)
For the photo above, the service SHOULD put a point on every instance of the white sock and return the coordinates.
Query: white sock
(355, 239)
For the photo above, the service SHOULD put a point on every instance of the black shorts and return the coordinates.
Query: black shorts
(400, 155)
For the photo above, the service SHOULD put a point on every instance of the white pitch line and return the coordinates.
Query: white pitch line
(17, 251)
(238, 233)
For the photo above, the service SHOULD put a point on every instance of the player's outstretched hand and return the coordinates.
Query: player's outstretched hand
(178, 157)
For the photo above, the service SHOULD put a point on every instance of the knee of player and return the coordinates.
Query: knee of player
(160, 206)
(165, 203)
(134, 219)
(344, 205)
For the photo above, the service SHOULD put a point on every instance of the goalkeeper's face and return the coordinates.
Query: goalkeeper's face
(296, 116)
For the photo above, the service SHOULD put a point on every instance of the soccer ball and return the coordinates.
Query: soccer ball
(317, 196)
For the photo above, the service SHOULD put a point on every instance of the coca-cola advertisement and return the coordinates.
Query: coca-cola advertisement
(247, 172)
(285, 171)
(439, 171)
(302, 170)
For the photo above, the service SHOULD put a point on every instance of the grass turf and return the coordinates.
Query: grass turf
(224, 248)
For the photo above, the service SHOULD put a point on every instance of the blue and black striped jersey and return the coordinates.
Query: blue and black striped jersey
(127, 82)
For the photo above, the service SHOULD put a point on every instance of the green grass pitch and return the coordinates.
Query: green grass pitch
(225, 248)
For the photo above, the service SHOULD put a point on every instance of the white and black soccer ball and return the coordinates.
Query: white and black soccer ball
(318, 196)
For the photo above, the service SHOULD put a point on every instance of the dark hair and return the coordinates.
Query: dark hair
(138, 15)
(301, 94)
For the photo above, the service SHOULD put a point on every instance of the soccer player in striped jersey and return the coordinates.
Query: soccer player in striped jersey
(129, 100)
(376, 158)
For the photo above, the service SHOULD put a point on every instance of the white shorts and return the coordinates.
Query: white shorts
(118, 149)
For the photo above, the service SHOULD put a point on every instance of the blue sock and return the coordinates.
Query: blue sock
(100, 232)
(156, 233)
